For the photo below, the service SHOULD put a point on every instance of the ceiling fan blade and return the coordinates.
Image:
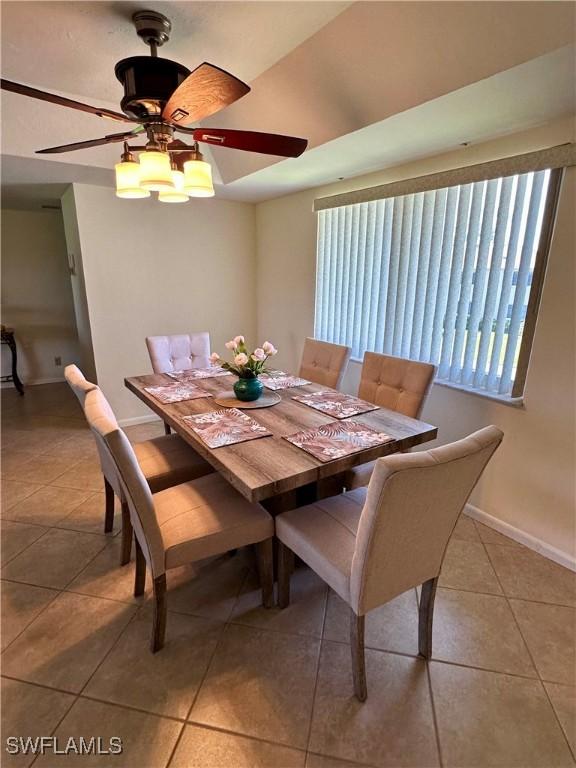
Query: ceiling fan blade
(252, 141)
(34, 93)
(111, 139)
(207, 90)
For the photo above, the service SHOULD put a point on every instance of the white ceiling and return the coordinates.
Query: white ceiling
(73, 46)
(85, 39)
(528, 95)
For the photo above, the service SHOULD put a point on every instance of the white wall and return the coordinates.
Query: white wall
(74, 253)
(530, 483)
(152, 268)
(36, 294)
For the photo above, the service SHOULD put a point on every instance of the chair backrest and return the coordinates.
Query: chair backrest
(81, 388)
(134, 486)
(78, 383)
(396, 383)
(179, 352)
(324, 363)
(412, 505)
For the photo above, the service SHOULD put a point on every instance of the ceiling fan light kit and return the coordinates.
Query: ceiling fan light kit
(155, 170)
(198, 176)
(128, 178)
(162, 97)
(177, 193)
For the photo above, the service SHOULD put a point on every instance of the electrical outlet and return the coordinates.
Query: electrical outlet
(57, 361)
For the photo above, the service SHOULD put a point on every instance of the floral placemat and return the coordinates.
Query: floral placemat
(225, 427)
(176, 393)
(280, 380)
(198, 373)
(338, 439)
(336, 404)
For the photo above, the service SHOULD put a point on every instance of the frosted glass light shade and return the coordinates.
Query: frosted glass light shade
(177, 194)
(198, 179)
(155, 171)
(128, 181)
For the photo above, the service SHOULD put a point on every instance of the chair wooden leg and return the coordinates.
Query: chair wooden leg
(126, 549)
(358, 661)
(159, 618)
(167, 430)
(140, 577)
(266, 571)
(285, 567)
(109, 513)
(425, 617)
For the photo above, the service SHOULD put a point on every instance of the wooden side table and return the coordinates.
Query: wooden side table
(7, 337)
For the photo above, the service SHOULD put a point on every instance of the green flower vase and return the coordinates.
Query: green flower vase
(248, 389)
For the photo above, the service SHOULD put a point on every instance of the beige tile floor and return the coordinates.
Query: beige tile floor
(239, 686)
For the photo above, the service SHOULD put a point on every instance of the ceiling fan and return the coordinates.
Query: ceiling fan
(163, 97)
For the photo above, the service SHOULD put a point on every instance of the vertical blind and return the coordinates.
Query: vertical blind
(441, 276)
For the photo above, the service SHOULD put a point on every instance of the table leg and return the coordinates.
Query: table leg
(15, 378)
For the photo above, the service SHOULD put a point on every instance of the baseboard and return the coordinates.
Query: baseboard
(544, 549)
(138, 420)
(49, 380)
(35, 382)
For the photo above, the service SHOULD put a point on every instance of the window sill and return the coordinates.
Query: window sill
(513, 402)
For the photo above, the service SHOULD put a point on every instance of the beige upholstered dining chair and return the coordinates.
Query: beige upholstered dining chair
(372, 545)
(165, 461)
(188, 522)
(324, 363)
(178, 352)
(391, 382)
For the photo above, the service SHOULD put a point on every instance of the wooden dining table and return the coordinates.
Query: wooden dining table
(270, 469)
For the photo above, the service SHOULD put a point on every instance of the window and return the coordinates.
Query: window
(450, 276)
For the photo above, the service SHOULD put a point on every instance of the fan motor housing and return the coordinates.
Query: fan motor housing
(148, 84)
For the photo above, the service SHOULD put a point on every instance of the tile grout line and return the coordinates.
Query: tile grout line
(204, 676)
(259, 739)
(10, 559)
(109, 541)
(76, 575)
(390, 651)
(89, 697)
(431, 691)
(438, 661)
(59, 723)
(108, 652)
(132, 602)
(196, 695)
(502, 594)
(229, 622)
(540, 680)
(190, 721)
(59, 590)
(90, 497)
(434, 715)
(5, 519)
(243, 581)
(3, 479)
(324, 615)
(78, 695)
(65, 588)
(171, 718)
(208, 665)
(52, 480)
(37, 616)
(58, 527)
